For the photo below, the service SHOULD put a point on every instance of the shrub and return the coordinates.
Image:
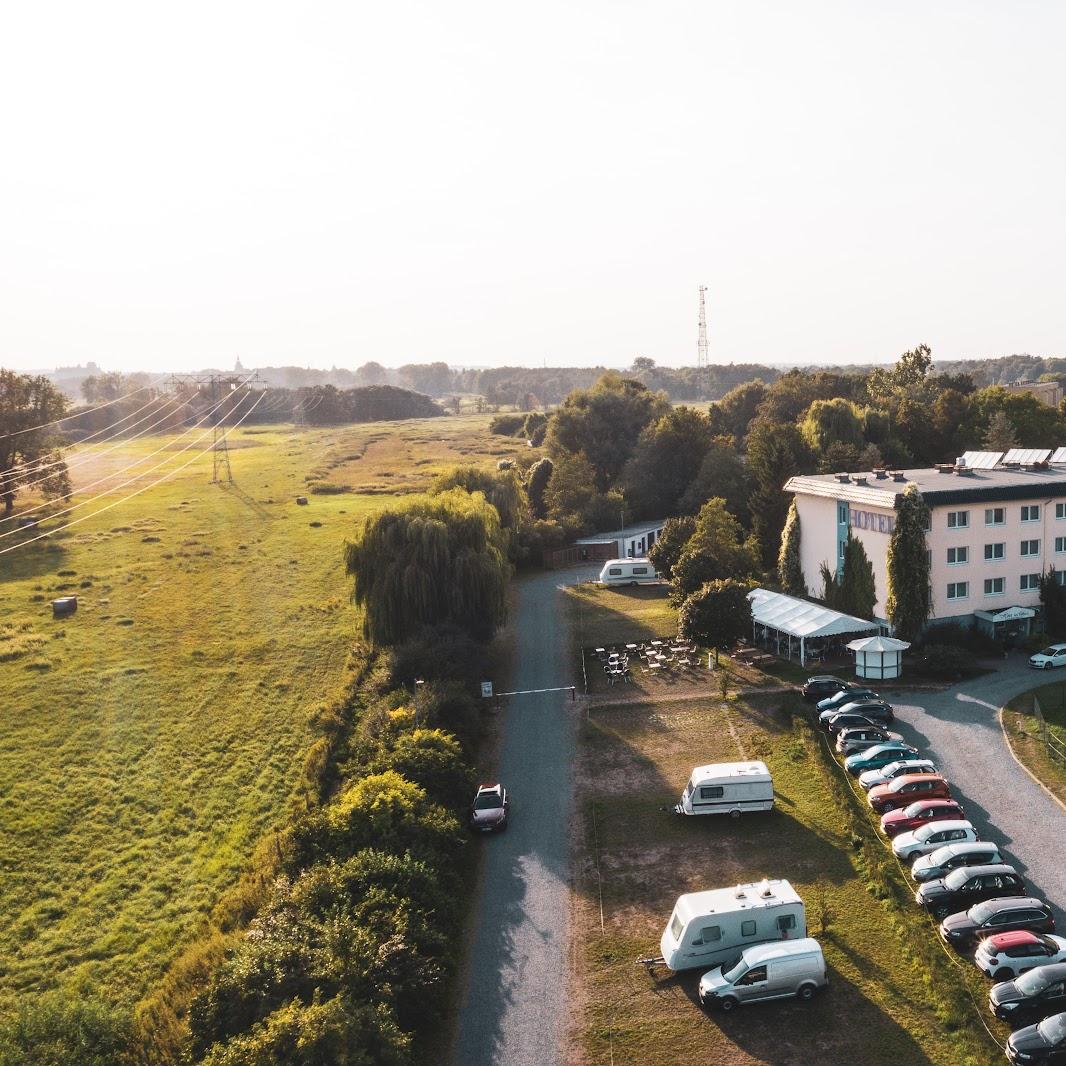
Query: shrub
(945, 663)
(507, 425)
(959, 636)
(433, 760)
(438, 653)
(57, 1028)
(327, 488)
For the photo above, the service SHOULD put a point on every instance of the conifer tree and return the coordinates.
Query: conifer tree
(909, 593)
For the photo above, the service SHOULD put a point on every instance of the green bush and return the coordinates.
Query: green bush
(507, 425)
(941, 662)
(433, 760)
(959, 636)
(438, 653)
(59, 1029)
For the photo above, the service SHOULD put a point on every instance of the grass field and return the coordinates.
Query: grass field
(633, 859)
(635, 761)
(154, 737)
(1024, 732)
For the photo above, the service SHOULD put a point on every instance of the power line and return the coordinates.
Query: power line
(11, 475)
(77, 414)
(118, 473)
(126, 499)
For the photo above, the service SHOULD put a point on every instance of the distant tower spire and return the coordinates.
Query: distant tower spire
(701, 350)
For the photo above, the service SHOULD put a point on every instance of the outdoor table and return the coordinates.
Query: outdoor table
(631, 647)
(656, 643)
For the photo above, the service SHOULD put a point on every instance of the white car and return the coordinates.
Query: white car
(1055, 655)
(932, 835)
(1006, 955)
(881, 776)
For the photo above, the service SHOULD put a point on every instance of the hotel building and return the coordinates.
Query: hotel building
(992, 533)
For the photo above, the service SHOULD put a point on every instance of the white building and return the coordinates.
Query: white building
(633, 542)
(992, 533)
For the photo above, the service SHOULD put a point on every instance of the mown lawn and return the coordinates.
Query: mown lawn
(633, 859)
(154, 737)
(1026, 737)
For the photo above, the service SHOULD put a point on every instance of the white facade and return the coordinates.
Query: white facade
(992, 533)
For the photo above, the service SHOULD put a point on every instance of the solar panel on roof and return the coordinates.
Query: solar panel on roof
(1027, 455)
(981, 460)
(1059, 456)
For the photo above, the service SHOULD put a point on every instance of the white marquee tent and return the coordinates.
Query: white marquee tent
(797, 622)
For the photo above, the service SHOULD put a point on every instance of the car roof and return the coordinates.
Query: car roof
(1001, 941)
(986, 868)
(899, 782)
(947, 824)
(960, 847)
(1014, 903)
(828, 677)
(924, 805)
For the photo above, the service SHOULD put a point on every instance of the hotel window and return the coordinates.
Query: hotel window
(958, 590)
(1031, 512)
(1029, 582)
(958, 519)
(1060, 576)
(841, 545)
(958, 556)
(994, 586)
(995, 551)
(1060, 544)
(1030, 548)
(995, 516)
(842, 514)
(1060, 510)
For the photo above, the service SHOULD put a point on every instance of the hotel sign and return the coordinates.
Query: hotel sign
(880, 523)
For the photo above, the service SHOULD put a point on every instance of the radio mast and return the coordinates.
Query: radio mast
(701, 352)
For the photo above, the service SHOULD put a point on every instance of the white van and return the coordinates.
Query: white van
(628, 572)
(707, 928)
(766, 971)
(728, 788)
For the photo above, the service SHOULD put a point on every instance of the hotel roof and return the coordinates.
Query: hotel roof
(937, 486)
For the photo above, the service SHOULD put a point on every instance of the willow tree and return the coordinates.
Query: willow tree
(910, 597)
(29, 406)
(436, 561)
(789, 568)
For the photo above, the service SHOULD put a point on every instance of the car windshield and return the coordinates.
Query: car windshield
(914, 809)
(982, 912)
(1048, 651)
(956, 879)
(734, 968)
(1032, 983)
(1053, 1029)
(488, 801)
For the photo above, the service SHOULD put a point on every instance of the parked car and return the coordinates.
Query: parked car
(821, 685)
(489, 812)
(1055, 655)
(1040, 1044)
(906, 789)
(878, 756)
(846, 695)
(1005, 956)
(766, 971)
(966, 886)
(918, 813)
(872, 778)
(857, 738)
(876, 709)
(966, 851)
(931, 837)
(1034, 995)
(849, 720)
(963, 930)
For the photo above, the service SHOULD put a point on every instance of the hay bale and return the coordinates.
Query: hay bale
(64, 606)
(301, 501)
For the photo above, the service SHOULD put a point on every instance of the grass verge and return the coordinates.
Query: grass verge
(1026, 737)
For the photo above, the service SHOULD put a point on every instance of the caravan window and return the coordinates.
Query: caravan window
(676, 926)
(711, 792)
(786, 922)
(639, 570)
(709, 934)
(747, 928)
(615, 571)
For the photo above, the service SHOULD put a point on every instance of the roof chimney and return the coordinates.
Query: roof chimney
(843, 478)
(858, 479)
(898, 475)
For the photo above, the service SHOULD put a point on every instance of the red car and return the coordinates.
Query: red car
(918, 813)
(906, 789)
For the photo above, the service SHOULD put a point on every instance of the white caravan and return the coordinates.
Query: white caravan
(628, 572)
(728, 788)
(707, 928)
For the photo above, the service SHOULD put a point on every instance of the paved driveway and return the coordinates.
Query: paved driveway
(959, 728)
(515, 1003)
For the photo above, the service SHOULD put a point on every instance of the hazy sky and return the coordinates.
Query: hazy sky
(484, 183)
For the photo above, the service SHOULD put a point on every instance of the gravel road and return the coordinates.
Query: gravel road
(960, 730)
(515, 1003)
